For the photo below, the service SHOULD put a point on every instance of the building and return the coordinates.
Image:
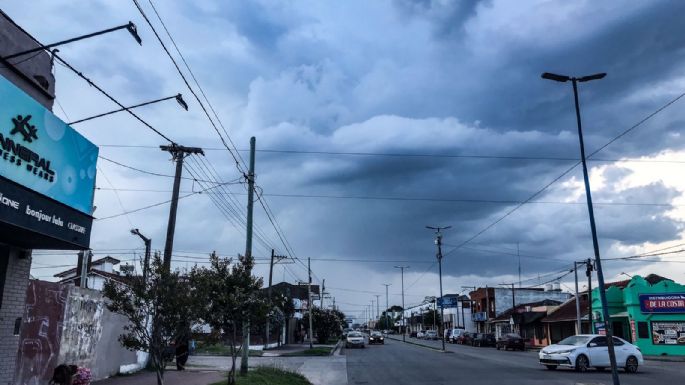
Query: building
(293, 327)
(36, 149)
(649, 312)
(490, 302)
(457, 309)
(563, 321)
(526, 321)
(99, 272)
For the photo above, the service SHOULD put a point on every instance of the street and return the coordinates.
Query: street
(401, 363)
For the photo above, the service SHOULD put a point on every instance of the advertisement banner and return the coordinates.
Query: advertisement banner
(662, 303)
(42, 153)
(668, 332)
(448, 302)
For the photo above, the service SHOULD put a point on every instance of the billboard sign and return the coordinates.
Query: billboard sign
(448, 302)
(662, 303)
(42, 153)
(668, 332)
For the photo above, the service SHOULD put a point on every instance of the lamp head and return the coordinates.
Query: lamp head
(555, 77)
(134, 32)
(592, 77)
(179, 99)
(134, 231)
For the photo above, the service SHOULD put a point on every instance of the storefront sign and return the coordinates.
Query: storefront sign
(448, 302)
(668, 333)
(600, 328)
(42, 153)
(633, 334)
(662, 303)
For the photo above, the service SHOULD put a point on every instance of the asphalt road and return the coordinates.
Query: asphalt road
(399, 363)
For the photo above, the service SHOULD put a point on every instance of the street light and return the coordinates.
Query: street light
(627, 275)
(404, 324)
(593, 228)
(438, 242)
(130, 27)
(178, 97)
(148, 243)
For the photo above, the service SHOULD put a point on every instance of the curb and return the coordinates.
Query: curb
(336, 350)
(665, 358)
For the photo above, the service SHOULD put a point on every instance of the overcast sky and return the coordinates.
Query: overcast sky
(375, 119)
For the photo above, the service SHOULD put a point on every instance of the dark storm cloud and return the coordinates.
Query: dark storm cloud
(446, 17)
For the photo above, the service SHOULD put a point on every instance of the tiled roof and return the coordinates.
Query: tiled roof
(567, 310)
(508, 313)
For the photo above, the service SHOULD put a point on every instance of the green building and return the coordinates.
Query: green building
(649, 312)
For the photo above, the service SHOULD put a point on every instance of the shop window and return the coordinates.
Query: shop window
(642, 330)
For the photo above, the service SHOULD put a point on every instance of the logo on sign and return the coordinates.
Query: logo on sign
(662, 303)
(20, 155)
(22, 126)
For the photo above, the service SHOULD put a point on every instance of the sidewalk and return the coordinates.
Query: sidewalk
(171, 377)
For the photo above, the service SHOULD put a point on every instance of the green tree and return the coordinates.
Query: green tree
(229, 295)
(159, 312)
(326, 323)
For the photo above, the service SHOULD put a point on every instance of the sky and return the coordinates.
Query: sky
(375, 119)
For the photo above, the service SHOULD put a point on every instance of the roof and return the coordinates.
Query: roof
(517, 310)
(567, 310)
(97, 262)
(103, 274)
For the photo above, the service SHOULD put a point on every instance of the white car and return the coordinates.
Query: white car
(354, 339)
(585, 350)
(421, 334)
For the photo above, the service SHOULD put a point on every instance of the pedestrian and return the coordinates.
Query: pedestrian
(181, 354)
(71, 375)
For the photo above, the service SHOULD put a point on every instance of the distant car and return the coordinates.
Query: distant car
(585, 350)
(511, 341)
(453, 334)
(431, 335)
(421, 334)
(483, 339)
(465, 338)
(354, 339)
(376, 338)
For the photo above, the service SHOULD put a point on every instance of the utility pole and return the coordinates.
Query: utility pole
(579, 324)
(309, 293)
(271, 273)
(487, 310)
(518, 253)
(248, 252)
(148, 245)
(178, 154)
(588, 273)
(438, 242)
(85, 258)
(323, 292)
(378, 314)
(404, 324)
(387, 308)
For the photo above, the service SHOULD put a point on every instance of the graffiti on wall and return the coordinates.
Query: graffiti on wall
(82, 327)
(41, 332)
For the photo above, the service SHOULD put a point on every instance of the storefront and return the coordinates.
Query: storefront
(649, 312)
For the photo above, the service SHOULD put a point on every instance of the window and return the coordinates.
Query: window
(642, 330)
(617, 342)
(600, 341)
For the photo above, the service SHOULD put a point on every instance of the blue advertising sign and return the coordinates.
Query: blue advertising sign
(42, 153)
(662, 303)
(448, 302)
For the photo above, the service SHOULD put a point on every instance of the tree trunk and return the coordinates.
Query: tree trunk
(231, 373)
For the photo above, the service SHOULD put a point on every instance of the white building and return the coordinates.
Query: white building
(99, 272)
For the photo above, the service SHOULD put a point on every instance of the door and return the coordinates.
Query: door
(598, 351)
(621, 351)
(618, 329)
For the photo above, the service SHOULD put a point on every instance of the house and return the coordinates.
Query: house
(526, 320)
(299, 293)
(563, 321)
(99, 272)
(490, 302)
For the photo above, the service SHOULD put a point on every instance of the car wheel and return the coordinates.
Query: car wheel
(631, 365)
(551, 367)
(582, 363)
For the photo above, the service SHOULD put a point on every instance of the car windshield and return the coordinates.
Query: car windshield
(354, 334)
(574, 340)
(513, 336)
(376, 334)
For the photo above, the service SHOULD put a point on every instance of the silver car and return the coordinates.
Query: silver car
(354, 339)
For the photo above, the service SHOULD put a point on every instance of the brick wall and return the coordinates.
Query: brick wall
(14, 296)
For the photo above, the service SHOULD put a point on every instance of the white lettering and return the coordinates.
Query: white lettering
(9, 202)
(77, 228)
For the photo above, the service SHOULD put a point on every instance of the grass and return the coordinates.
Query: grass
(269, 376)
(317, 351)
(221, 350)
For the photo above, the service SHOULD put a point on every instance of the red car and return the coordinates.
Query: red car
(511, 341)
(466, 338)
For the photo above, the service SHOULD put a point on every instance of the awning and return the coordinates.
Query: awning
(619, 315)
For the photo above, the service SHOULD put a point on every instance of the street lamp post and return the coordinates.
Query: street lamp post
(148, 243)
(593, 228)
(387, 326)
(404, 324)
(178, 97)
(438, 242)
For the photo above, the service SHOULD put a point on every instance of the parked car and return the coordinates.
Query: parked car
(420, 334)
(376, 338)
(483, 339)
(585, 350)
(465, 338)
(511, 341)
(431, 335)
(354, 339)
(453, 335)
(413, 334)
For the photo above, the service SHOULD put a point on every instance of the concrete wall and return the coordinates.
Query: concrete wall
(12, 309)
(503, 300)
(68, 324)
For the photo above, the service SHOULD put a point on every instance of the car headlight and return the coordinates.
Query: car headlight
(568, 351)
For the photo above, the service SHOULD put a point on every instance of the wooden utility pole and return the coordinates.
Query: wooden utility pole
(309, 305)
(178, 153)
(271, 273)
(248, 252)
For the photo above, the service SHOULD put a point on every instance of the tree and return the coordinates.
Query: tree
(326, 323)
(159, 311)
(386, 322)
(229, 295)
